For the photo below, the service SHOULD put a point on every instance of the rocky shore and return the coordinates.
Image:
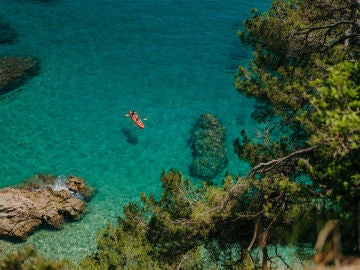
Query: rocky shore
(42, 200)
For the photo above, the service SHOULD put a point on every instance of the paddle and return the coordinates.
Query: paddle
(127, 115)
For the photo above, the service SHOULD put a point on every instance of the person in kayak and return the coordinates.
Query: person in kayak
(134, 114)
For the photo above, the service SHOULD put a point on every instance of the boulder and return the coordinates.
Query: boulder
(209, 151)
(40, 202)
(14, 71)
(77, 185)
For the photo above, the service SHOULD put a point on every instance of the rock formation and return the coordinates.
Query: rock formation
(44, 200)
(14, 71)
(209, 151)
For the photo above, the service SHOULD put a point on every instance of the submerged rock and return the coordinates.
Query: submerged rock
(14, 71)
(45, 200)
(7, 34)
(209, 151)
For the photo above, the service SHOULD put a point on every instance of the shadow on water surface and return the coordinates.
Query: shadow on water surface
(129, 135)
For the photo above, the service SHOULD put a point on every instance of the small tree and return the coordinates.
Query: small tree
(334, 125)
(29, 259)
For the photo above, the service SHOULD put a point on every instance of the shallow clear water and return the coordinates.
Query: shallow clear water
(169, 60)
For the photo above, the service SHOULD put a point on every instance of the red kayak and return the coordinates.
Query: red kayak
(135, 117)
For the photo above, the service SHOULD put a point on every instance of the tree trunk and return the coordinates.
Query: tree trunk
(358, 224)
(265, 259)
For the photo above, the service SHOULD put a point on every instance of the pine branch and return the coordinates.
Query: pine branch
(270, 165)
(261, 168)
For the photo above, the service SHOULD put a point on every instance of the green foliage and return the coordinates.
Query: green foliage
(199, 226)
(306, 66)
(172, 232)
(335, 128)
(156, 234)
(293, 42)
(29, 259)
(121, 248)
(335, 122)
(257, 153)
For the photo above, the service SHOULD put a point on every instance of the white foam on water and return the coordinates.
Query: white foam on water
(60, 184)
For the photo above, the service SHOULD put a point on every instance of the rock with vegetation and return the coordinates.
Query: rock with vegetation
(45, 200)
(15, 70)
(209, 151)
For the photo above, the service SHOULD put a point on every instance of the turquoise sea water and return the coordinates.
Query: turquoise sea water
(170, 60)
